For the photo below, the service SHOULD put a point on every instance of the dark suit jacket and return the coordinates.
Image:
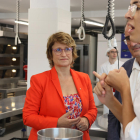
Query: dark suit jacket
(113, 123)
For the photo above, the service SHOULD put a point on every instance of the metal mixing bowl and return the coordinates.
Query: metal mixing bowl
(59, 134)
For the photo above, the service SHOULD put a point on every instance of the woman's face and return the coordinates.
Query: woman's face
(133, 18)
(62, 55)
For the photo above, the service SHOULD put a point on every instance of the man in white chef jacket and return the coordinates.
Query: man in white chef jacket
(109, 65)
(112, 62)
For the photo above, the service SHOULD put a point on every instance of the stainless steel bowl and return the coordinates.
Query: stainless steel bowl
(59, 134)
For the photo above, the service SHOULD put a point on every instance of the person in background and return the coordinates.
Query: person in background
(60, 97)
(128, 92)
(112, 62)
(106, 67)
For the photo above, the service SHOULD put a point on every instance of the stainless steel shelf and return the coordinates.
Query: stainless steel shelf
(12, 34)
(9, 80)
(9, 55)
(97, 131)
(11, 106)
(9, 67)
(8, 90)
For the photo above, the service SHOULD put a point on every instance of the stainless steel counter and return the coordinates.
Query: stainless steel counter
(6, 90)
(14, 105)
(97, 131)
(11, 106)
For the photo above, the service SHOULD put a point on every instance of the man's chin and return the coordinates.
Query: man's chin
(136, 55)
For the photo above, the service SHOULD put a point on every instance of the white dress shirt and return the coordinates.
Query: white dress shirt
(132, 130)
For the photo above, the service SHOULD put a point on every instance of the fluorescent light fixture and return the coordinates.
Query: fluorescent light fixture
(13, 70)
(14, 47)
(93, 23)
(22, 22)
(14, 59)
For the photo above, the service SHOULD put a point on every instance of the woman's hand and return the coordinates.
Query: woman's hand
(118, 79)
(63, 121)
(83, 125)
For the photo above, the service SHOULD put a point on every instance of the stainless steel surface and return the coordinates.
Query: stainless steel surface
(89, 54)
(21, 61)
(9, 55)
(60, 134)
(5, 41)
(9, 67)
(94, 82)
(9, 29)
(80, 49)
(95, 129)
(81, 42)
(11, 106)
(22, 82)
(14, 105)
(12, 88)
(9, 80)
(11, 34)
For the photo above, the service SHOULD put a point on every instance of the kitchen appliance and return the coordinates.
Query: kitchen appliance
(87, 52)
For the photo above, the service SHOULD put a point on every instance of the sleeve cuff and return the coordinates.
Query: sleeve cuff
(132, 130)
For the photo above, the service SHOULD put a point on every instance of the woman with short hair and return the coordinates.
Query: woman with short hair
(60, 97)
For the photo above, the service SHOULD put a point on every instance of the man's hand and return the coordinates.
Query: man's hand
(102, 90)
(118, 79)
(101, 78)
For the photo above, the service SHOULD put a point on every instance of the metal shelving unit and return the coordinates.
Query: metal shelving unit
(9, 67)
(9, 55)
(5, 41)
(8, 80)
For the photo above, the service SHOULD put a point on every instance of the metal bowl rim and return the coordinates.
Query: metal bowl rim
(59, 128)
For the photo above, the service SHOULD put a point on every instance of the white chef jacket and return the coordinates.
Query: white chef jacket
(132, 130)
(106, 68)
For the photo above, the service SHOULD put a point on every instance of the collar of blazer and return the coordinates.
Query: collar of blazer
(76, 80)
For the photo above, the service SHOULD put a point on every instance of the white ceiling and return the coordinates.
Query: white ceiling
(91, 6)
(9, 6)
(96, 5)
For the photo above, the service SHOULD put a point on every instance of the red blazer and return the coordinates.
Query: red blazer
(44, 102)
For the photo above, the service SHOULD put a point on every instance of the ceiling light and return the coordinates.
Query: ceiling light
(14, 59)
(14, 48)
(22, 22)
(93, 23)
